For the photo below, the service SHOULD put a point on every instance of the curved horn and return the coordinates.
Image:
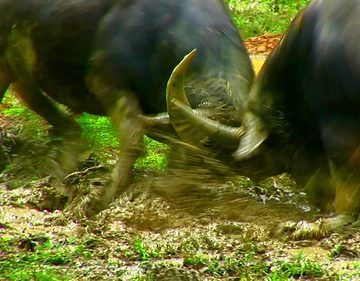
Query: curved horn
(254, 136)
(190, 126)
(154, 121)
(175, 85)
(200, 126)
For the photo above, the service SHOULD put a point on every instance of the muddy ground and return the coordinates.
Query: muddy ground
(184, 224)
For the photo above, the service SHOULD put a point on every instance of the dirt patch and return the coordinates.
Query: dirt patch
(262, 45)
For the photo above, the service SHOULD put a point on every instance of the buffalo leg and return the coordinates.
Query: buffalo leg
(123, 108)
(124, 116)
(319, 189)
(341, 139)
(64, 126)
(347, 199)
(341, 144)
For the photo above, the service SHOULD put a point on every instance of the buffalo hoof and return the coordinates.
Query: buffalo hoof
(304, 230)
(92, 190)
(66, 155)
(86, 207)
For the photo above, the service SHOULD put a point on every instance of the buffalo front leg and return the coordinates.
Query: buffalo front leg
(342, 141)
(125, 117)
(347, 199)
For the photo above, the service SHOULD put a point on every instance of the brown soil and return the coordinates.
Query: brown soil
(262, 45)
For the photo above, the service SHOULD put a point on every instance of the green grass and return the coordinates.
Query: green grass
(41, 258)
(247, 266)
(297, 267)
(145, 252)
(35, 260)
(254, 17)
(98, 131)
(34, 273)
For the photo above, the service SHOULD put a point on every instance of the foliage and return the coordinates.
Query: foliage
(254, 17)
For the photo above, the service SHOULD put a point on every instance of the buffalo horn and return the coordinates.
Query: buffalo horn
(190, 126)
(253, 137)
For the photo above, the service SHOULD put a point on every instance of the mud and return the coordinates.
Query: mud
(174, 213)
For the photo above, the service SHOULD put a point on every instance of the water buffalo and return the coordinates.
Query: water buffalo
(114, 58)
(303, 115)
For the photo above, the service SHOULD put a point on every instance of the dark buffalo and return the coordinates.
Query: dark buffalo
(304, 108)
(114, 58)
(303, 115)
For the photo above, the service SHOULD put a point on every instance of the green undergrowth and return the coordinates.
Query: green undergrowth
(43, 258)
(35, 260)
(255, 17)
(40, 258)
